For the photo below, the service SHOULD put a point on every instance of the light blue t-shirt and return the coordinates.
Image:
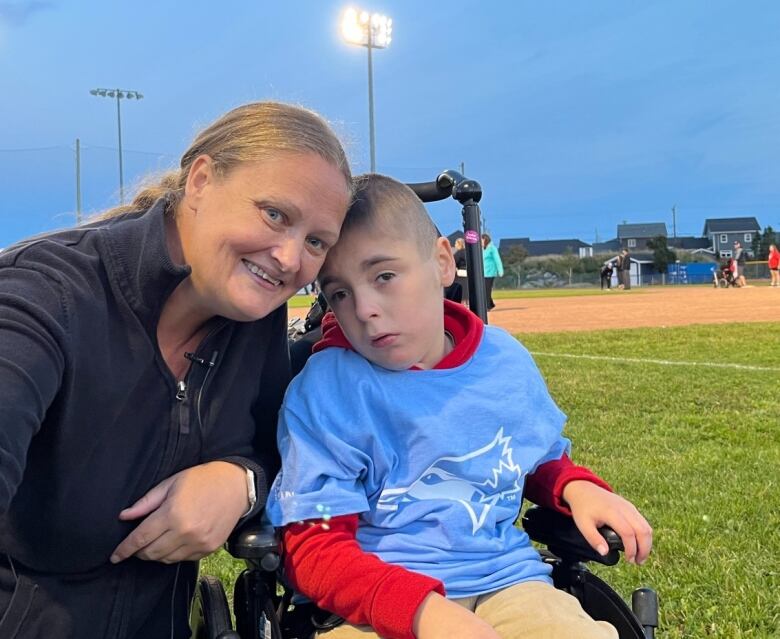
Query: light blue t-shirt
(434, 461)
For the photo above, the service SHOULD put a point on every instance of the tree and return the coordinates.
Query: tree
(766, 238)
(513, 259)
(515, 255)
(755, 245)
(662, 254)
(568, 260)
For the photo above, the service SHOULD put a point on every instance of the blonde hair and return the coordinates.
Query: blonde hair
(248, 133)
(460, 243)
(391, 208)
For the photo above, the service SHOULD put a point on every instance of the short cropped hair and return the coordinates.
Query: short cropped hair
(392, 208)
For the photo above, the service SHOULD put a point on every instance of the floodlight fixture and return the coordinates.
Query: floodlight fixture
(366, 30)
(119, 94)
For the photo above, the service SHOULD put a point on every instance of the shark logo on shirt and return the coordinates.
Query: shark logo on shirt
(477, 480)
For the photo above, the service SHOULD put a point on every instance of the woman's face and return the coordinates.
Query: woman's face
(254, 237)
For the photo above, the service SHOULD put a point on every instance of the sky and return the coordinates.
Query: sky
(573, 116)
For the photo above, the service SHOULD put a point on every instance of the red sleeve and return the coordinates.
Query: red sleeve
(325, 562)
(545, 486)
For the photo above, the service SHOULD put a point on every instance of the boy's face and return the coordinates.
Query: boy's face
(387, 297)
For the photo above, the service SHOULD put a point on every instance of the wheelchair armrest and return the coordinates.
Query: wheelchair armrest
(256, 540)
(562, 537)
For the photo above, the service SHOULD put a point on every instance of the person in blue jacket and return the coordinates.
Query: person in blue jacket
(143, 359)
(493, 267)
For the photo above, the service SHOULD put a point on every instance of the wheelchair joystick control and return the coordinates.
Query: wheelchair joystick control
(644, 603)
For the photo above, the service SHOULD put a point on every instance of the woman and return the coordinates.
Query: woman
(461, 278)
(774, 265)
(139, 355)
(493, 267)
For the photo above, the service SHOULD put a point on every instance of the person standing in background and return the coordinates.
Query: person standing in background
(493, 267)
(774, 265)
(461, 278)
(624, 270)
(739, 263)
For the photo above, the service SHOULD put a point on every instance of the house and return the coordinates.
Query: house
(635, 236)
(610, 246)
(690, 243)
(455, 235)
(538, 248)
(723, 232)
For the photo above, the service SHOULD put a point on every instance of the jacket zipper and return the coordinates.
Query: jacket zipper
(184, 411)
(183, 394)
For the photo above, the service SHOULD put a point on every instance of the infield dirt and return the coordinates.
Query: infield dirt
(658, 306)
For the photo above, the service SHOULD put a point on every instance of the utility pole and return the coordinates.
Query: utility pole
(674, 221)
(463, 169)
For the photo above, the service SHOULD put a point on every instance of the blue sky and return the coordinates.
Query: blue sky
(574, 116)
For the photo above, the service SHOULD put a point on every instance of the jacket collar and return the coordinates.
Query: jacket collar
(139, 263)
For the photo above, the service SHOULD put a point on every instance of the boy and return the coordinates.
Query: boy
(406, 442)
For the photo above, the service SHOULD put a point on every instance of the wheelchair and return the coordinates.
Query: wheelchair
(265, 608)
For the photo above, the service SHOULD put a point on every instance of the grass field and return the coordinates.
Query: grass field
(696, 447)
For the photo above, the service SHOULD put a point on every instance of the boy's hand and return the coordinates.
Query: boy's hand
(592, 506)
(439, 618)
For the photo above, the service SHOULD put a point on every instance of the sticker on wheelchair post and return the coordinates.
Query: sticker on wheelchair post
(472, 237)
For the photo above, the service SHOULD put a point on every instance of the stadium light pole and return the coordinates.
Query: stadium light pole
(119, 94)
(372, 31)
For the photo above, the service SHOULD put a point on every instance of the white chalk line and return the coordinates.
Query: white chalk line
(660, 362)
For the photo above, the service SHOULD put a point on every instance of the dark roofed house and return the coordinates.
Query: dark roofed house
(610, 246)
(510, 242)
(689, 243)
(455, 235)
(538, 248)
(635, 236)
(723, 232)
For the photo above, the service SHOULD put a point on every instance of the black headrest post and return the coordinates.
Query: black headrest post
(468, 193)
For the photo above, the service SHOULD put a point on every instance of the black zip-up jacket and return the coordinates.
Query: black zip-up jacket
(91, 417)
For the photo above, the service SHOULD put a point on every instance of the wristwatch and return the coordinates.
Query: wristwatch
(251, 492)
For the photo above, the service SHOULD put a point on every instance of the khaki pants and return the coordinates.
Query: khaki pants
(530, 610)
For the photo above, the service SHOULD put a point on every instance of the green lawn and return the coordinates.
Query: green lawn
(300, 301)
(696, 448)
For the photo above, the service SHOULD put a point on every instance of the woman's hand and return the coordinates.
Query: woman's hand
(187, 516)
(440, 618)
(592, 506)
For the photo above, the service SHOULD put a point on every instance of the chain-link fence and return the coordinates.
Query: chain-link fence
(532, 277)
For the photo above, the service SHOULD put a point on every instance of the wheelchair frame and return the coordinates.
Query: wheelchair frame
(263, 612)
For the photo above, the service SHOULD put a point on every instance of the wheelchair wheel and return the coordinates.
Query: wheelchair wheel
(210, 614)
(723, 282)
